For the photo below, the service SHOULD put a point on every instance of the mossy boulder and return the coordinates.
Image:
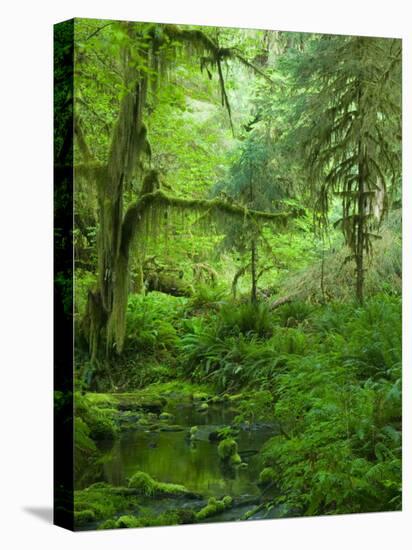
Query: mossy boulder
(104, 500)
(146, 485)
(127, 521)
(203, 407)
(150, 402)
(97, 412)
(214, 507)
(200, 396)
(235, 460)
(228, 452)
(103, 426)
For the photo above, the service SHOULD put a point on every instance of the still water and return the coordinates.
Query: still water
(170, 456)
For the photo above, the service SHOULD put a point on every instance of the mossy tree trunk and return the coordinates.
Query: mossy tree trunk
(104, 322)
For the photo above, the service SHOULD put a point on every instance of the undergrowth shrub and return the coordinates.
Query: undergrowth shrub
(207, 297)
(339, 407)
(293, 313)
(245, 319)
(151, 322)
(237, 360)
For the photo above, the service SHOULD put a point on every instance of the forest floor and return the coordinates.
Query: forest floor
(237, 413)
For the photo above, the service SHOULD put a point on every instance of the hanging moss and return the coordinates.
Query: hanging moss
(150, 215)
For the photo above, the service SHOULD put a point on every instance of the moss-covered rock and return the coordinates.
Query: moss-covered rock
(200, 396)
(138, 401)
(127, 522)
(104, 500)
(203, 407)
(143, 482)
(235, 460)
(228, 452)
(227, 448)
(148, 486)
(98, 414)
(103, 425)
(214, 507)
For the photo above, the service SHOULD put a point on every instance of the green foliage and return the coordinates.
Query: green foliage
(349, 125)
(237, 360)
(150, 323)
(207, 297)
(316, 147)
(84, 447)
(340, 414)
(104, 501)
(83, 282)
(83, 517)
(267, 476)
(245, 319)
(293, 313)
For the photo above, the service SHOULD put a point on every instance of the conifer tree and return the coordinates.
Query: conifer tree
(349, 125)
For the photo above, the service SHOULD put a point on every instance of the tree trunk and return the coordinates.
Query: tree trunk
(360, 234)
(253, 296)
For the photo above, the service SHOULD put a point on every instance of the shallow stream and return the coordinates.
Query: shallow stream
(168, 455)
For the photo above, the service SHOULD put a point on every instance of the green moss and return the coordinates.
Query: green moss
(144, 483)
(235, 459)
(84, 516)
(227, 501)
(171, 517)
(226, 449)
(214, 507)
(127, 521)
(84, 446)
(147, 486)
(100, 418)
(108, 524)
(104, 500)
(101, 399)
(200, 396)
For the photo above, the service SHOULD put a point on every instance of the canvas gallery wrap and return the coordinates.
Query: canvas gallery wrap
(227, 274)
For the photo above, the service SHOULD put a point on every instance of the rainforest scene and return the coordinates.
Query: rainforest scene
(237, 274)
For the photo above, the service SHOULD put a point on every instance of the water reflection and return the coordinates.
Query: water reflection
(172, 458)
